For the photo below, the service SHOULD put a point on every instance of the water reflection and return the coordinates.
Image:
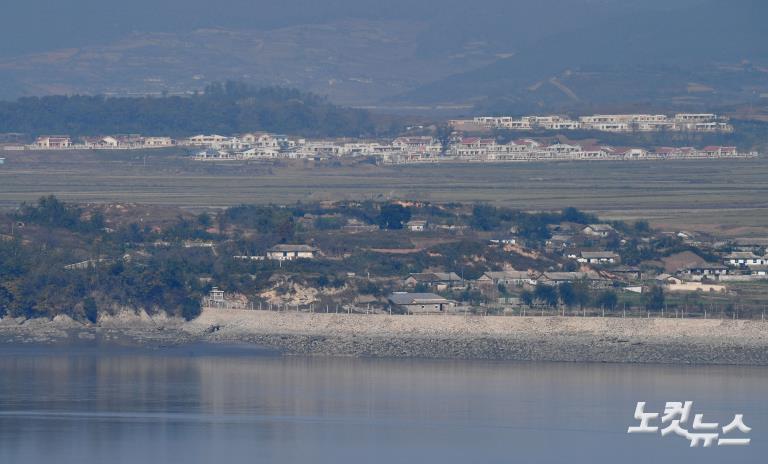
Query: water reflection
(95, 407)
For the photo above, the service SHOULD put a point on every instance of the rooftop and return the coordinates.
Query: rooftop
(290, 248)
(402, 298)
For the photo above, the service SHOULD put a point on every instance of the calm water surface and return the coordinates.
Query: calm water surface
(231, 405)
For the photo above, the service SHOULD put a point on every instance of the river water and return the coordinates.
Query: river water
(204, 404)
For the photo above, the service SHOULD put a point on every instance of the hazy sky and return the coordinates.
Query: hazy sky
(39, 25)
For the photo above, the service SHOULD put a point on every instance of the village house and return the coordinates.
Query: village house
(627, 272)
(473, 148)
(598, 230)
(558, 278)
(503, 241)
(559, 242)
(87, 264)
(53, 141)
(509, 278)
(291, 252)
(261, 153)
(424, 144)
(416, 225)
(158, 142)
(667, 279)
(210, 141)
(424, 303)
(110, 142)
(438, 281)
(744, 259)
(262, 140)
(757, 270)
(598, 257)
(355, 226)
(698, 271)
(719, 152)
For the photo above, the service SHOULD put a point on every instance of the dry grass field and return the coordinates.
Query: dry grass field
(729, 197)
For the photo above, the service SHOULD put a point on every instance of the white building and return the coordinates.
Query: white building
(291, 252)
(416, 225)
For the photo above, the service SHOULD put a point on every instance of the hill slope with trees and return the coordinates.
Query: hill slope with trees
(227, 108)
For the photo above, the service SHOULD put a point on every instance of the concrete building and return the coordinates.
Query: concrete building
(424, 303)
(598, 257)
(416, 225)
(743, 259)
(291, 252)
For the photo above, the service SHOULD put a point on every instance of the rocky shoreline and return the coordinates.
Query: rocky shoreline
(569, 339)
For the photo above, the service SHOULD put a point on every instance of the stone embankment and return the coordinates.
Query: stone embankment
(642, 340)
(576, 339)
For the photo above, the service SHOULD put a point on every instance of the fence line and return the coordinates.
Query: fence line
(711, 312)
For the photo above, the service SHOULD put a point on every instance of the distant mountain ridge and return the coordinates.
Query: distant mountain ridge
(512, 55)
(708, 54)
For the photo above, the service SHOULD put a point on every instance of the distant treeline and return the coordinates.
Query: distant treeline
(227, 108)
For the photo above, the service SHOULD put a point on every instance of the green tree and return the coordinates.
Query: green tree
(91, 310)
(607, 300)
(526, 297)
(642, 227)
(443, 135)
(581, 293)
(393, 216)
(546, 294)
(654, 299)
(204, 219)
(6, 298)
(567, 294)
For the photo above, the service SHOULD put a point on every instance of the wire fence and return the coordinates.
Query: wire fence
(711, 312)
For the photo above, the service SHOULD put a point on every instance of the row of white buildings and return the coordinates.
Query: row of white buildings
(402, 150)
(681, 122)
(268, 147)
(114, 142)
(425, 149)
(476, 149)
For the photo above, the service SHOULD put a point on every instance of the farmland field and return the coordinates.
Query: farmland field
(729, 196)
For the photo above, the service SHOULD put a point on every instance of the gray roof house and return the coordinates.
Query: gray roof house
(421, 302)
(598, 230)
(508, 277)
(434, 279)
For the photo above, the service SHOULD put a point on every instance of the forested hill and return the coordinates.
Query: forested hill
(223, 109)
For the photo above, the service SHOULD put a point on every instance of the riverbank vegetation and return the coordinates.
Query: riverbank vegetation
(80, 260)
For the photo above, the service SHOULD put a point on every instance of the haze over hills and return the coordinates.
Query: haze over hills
(711, 54)
(495, 55)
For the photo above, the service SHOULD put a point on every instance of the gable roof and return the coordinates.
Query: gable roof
(402, 298)
(598, 254)
(435, 276)
(510, 274)
(292, 248)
